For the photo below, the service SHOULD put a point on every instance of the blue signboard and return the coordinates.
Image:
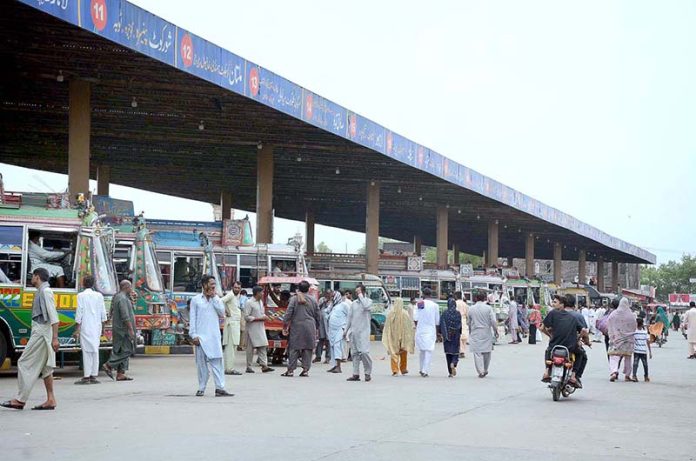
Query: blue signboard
(366, 132)
(141, 31)
(324, 113)
(273, 90)
(131, 26)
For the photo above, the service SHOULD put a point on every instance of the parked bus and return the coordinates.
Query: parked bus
(71, 242)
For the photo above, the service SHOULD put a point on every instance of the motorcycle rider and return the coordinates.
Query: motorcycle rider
(563, 328)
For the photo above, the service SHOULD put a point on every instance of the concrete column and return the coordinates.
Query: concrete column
(615, 277)
(557, 261)
(103, 179)
(79, 128)
(226, 205)
(492, 252)
(600, 275)
(529, 256)
(417, 245)
(455, 253)
(442, 247)
(264, 195)
(372, 228)
(582, 266)
(309, 232)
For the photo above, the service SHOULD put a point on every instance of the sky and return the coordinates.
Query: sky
(589, 106)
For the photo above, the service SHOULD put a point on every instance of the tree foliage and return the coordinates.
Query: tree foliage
(323, 248)
(672, 277)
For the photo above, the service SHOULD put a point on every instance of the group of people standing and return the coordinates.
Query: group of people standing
(39, 356)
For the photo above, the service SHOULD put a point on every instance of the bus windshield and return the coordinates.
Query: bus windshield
(153, 278)
(104, 274)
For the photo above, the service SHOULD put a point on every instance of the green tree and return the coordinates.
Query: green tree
(323, 248)
(672, 277)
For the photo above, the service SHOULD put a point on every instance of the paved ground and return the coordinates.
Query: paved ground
(509, 415)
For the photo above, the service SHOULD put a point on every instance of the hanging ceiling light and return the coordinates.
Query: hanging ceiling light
(201, 126)
(398, 190)
(420, 198)
(338, 171)
(59, 77)
(134, 103)
(299, 157)
(459, 211)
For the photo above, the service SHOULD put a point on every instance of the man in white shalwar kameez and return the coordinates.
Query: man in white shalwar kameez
(39, 356)
(427, 318)
(89, 318)
(690, 329)
(335, 331)
(358, 332)
(204, 330)
(598, 335)
(231, 334)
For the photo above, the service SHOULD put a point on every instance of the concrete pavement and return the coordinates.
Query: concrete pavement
(508, 415)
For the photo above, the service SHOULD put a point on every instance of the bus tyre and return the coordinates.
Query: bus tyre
(3, 348)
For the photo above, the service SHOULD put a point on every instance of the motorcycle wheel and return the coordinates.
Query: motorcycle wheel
(556, 393)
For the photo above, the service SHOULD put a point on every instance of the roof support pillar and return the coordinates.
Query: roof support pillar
(442, 227)
(529, 256)
(309, 232)
(372, 228)
(79, 128)
(582, 267)
(103, 179)
(615, 277)
(226, 205)
(455, 254)
(492, 253)
(600, 275)
(264, 194)
(557, 262)
(417, 245)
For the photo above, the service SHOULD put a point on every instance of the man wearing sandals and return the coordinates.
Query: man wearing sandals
(89, 319)
(123, 329)
(38, 358)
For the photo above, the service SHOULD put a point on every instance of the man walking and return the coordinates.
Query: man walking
(89, 319)
(690, 328)
(232, 330)
(483, 331)
(204, 330)
(38, 358)
(427, 318)
(358, 330)
(463, 309)
(123, 332)
(301, 323)
(256, 340)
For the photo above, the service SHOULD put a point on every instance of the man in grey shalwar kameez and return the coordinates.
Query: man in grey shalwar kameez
(326, 303)
(123, 329)
(204, 329)
(38, 358)
(483, 328)
(301, 322)
(358, 331)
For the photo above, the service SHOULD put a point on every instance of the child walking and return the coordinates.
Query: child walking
(641, 350)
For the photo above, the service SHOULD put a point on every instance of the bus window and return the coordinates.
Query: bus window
(122, 256)
(227, 268)
(11, 254)
(187, 273)
(164, 259)
(248, 277)
(54, 250)
(446, 287)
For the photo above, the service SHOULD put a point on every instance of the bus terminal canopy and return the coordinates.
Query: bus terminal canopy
(175, 114)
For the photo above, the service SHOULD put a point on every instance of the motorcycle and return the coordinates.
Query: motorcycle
(561, 364)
